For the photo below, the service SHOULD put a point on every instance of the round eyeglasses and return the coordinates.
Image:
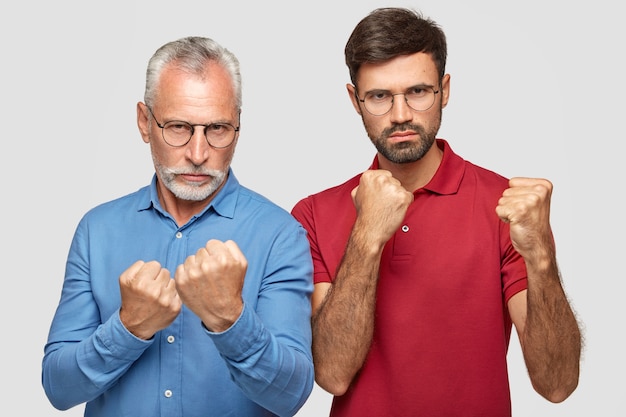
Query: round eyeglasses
(380, 102)
(178, 133)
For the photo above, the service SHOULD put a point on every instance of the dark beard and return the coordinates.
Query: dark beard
(404, 152)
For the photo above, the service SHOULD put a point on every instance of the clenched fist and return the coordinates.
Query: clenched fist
(381, 203)
(211, 281)
(149, 299)
(525, 205)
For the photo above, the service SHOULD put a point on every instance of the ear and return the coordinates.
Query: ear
(445, 90)
(352, 94)
(143, 122)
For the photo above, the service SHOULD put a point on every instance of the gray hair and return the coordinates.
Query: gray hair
(191, 54)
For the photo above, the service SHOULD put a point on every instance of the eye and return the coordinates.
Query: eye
(417, 91)
(177, 127)
(380, 95)
(217, 128)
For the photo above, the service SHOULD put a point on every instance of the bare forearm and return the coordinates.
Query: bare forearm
(551, 339)
(344, 323)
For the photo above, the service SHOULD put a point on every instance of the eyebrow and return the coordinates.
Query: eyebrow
(420, 85)
(235, 122)
(215, 122)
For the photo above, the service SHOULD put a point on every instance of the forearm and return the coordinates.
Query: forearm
(77, 372)
(551, 339)
(343, 325)
(273, 371)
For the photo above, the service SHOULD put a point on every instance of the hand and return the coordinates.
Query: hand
(149, 299)
(211, 281)
(525, 205)
(381, 203)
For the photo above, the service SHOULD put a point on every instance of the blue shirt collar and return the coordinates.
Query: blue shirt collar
(224, 203)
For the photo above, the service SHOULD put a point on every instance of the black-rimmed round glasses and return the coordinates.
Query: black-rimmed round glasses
(178, 133)
(380, 102)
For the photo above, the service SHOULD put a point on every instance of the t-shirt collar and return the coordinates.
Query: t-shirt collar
(447, 178)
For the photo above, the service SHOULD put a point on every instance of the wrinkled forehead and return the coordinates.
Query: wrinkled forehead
(181, 91)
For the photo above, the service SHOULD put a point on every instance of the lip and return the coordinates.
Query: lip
(194, 177)
(401, 136)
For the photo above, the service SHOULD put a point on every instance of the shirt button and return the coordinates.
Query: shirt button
(167, 393)
(179, 235)
(405, 228)
(170, 339)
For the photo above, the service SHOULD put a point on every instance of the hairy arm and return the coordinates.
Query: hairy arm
(547, 327)
(343, 312)
(343, 324)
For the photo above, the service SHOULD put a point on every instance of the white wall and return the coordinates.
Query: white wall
(537, 90)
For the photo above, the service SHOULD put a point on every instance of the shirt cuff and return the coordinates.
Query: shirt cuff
(243, 337)
(119, 341)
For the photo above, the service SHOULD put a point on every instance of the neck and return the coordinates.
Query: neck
(181, 210)
(414, 175)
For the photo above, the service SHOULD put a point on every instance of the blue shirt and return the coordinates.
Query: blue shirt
(260, 366)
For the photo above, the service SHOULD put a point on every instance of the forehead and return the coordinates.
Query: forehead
(181, 90)
(398, 73)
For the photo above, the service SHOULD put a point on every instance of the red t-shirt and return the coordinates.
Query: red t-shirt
(442, 328)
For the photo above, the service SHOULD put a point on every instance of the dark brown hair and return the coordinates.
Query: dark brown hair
(390, 32)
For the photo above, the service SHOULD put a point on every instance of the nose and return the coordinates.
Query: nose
(400, 110)
(198, 147)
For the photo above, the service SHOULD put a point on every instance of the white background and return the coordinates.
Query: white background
(537, 90)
